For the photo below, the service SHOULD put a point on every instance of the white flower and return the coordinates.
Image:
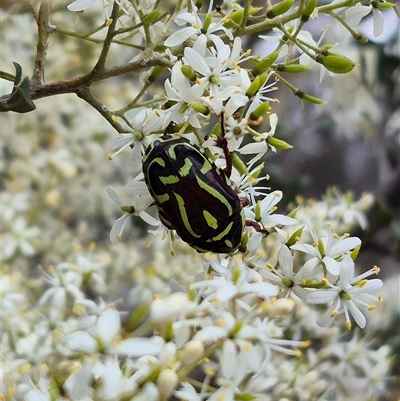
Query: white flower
(78, 383)
(19, 239)
(234, 280)
(216, 72)
(196, 28)
(171, 308)
(141, 201)
(266, 208)
(188, 393)
(268, 336)
(112, 381)
(354, 15)
(347, 295)
(40, 392)
(284, 276)
(99, 338)
(328, 250)
(80, 5)
(180, 91)
(144, 122)
(65, 285)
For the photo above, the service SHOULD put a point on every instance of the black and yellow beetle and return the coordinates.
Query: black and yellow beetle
(193, 196)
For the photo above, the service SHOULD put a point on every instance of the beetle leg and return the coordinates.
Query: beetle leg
(224, 145)
(257, 227)
(244, 201)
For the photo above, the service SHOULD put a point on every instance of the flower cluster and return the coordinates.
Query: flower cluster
(151, 318)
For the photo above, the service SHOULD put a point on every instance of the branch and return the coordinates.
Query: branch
(85, 81)
(100, 65)
(42, 21)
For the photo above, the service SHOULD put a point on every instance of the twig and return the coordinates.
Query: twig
(42, 21)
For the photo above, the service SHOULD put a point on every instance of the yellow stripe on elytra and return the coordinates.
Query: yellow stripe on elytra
(184, 217)
(216, 194)
(185, 169)
(171, 152)
(206, 167)
(169, 179)
(159, 161)
(162, 198)
(222, 234)
(210, 219)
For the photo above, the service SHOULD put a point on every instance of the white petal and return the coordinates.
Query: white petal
(228, 359)
(356, 313)
(264, 290)
(346, 271)
(306, 248)
(326, 319)
(253, 148)
(354, 14)
(197, 62)
(80, 5)
(112, 193)
(78, 384)
(108, 325)
(378, 22)
(321, 296)
(274, 219)
(343, 246)
(118, 227)
(210, 334)
(331, 265)
(137, 347)
(80, 341)
(35, 395)
(150, 219)
(286, 261)
(178, 37)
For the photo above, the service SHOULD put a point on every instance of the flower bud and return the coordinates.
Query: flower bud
(278, 143)
(201, 108)
(255, 86)
(383, 5)
(335, 63)
(280, 307)
(206, 23)
(157, 71)
(239, 164)
(236, 17)
(265, 63)
(189, 73)
(309, 98)
(152, 16)
(245, 397)
(260, 111)
(243, 242)
(292, 68)
(257, 212)
(191, 352)
(295, 236)
(280, 8)
(166, 382)
(215, 131)
(354, 252)
(321, 248)
(308, 9)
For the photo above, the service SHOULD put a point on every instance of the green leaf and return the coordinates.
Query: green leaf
(20, 100)
(18, 73)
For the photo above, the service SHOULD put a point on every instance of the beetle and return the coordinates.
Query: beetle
(193, 196)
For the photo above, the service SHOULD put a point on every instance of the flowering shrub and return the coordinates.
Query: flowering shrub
(145, 316)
